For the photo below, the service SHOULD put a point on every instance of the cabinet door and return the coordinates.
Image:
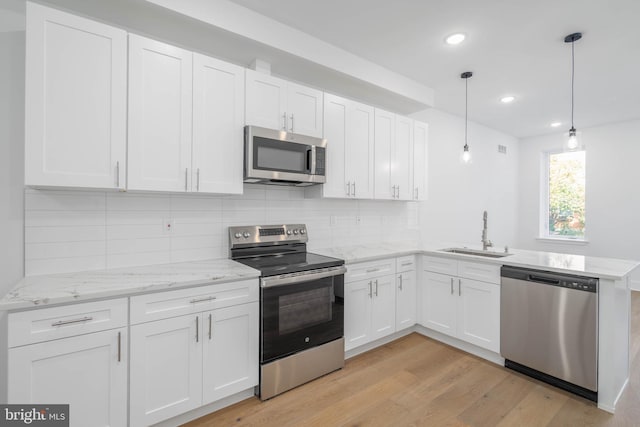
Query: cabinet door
(160, 88)
(230, 352)
(88, 372)
(479, 314)
(76, 101)
(359, 150)
(266, 101)
(357, 313)
(218, 123)
(402, 160)
(166, 369)
(420, 160)
(335, 126)
(383, 311)
(304, 109)
(406, 300)
(384, 136)
(439, 298)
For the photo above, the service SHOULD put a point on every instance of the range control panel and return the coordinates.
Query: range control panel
(256, 234)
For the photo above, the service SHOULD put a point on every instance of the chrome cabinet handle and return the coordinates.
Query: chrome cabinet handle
(209, 326)
(291, 122)
(196, 300)
(397, 191)
(452, 286)
(404, 264)
(197, 329)
(417, 193)
(354, 189)
(117, 174)
(400, 277)
(372, 270)
(376, 288)
(348, 188)
(370, 290)
(69, 322)
(284, 121)
(119, 346)
(198, 179)
(459, 287)
(186, 178)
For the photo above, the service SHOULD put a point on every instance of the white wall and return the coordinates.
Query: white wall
(458, 193)
(85, 230)
(12, 45)
(612, 196)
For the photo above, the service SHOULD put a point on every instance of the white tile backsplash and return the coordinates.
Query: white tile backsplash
(69, 230)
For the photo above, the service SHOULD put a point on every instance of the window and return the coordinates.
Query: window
(564, 216)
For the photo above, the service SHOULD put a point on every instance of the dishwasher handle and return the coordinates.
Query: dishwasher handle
(549, 281)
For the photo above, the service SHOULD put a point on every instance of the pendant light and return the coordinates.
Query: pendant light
(466, 155)
(572, 141)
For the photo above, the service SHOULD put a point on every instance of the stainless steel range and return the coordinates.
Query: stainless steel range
(301, 305)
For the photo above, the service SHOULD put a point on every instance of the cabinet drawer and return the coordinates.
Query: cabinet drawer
(367, 270)
(162, 305)
(440, 265)
(478, 271)
(405, 263)
(28, 327)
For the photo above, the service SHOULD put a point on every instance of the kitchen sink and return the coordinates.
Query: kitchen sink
(477, 252)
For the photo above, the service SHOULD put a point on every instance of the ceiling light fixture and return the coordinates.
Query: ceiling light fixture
(455, 39)
(507, 99)
(555, 124)
(466, 155)
(572, 141)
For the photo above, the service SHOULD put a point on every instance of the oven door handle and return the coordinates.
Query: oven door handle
(289, 279)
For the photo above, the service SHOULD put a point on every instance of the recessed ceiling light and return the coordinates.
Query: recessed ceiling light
(555, 124)
(507, 99)
(456, 38)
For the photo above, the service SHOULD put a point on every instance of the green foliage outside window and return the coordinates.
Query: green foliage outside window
(567, 194)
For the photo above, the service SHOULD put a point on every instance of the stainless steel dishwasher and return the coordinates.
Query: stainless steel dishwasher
(549, 328)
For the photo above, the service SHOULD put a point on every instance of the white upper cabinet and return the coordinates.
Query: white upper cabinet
(76, 94)
(393, 156)
(420, 138)
(218, 123)
(348, 129)
(359, 150)
(160, 101)
(402, 160)
(275, 103)
(384, 137)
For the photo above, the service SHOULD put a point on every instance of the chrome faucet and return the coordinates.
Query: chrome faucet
(486, 243)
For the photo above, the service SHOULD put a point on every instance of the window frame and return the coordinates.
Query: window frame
(543, 232)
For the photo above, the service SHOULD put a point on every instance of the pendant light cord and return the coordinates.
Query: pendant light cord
(466, 102)
(572, 78)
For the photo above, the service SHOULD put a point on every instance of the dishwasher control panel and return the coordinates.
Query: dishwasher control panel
(579, 283)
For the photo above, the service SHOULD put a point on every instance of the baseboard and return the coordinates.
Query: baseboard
(634, 285)
(207, 409)
(377, 343)
(462, 345)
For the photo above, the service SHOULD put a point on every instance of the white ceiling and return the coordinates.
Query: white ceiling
(513, 47)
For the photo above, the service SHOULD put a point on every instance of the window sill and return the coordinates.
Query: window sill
(563, 241)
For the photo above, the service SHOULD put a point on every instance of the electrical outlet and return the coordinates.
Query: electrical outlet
(358, 219)
(333, 220)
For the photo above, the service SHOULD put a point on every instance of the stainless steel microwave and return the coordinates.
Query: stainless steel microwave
(283, 158)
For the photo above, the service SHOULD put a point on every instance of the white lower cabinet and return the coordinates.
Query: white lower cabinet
(459, 306)
(87, 371)
(183, 362)
(406, 305)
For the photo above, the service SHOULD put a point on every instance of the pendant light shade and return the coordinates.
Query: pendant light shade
(466, 154)
(572, 137)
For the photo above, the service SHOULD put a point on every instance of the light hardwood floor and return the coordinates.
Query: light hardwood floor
(416, 381)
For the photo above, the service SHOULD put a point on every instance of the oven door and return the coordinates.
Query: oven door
(300, 311)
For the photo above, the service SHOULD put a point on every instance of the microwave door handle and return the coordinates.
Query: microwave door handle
(312, 169)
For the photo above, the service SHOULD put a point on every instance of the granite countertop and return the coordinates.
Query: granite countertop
(42, 290)
(604, 268)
